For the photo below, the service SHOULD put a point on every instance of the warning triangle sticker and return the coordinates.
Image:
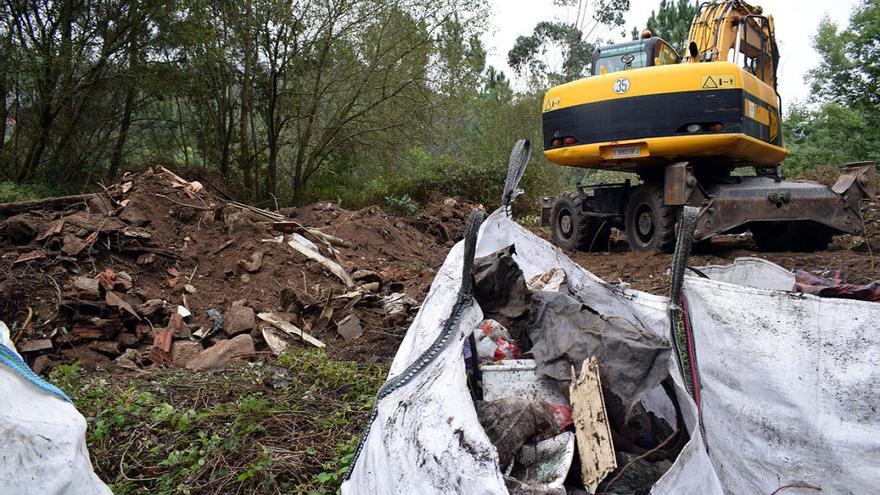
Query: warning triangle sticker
(709, 83)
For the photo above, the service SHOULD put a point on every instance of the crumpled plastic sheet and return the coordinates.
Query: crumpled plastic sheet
(565, 332)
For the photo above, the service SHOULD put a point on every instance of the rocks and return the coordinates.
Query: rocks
(127, 340)
(366, 277)
(450, 203)
(72, 245)
(88, 358)
(86, 285)
(253, 263)
(21, 229)
(239, 319)
(106, 347)
(350, 328)
(184, 351)
(222, 353)
(153, 308)
(133, 215)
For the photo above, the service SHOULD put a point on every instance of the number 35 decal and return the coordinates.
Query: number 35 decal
(621, 85)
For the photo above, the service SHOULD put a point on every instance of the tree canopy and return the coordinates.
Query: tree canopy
(840, 121)
(672, 22)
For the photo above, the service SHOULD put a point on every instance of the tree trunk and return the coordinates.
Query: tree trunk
(124, 126)
(272, 137)
(244, 116)
(130, 93)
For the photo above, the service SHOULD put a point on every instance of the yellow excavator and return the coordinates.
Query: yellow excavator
(685, 125)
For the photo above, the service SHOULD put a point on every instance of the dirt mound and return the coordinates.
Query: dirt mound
(157, 269)
(855, 256)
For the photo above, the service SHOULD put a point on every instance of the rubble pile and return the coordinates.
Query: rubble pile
(155, 270)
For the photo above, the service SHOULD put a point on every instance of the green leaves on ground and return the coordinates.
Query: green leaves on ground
(175, 432)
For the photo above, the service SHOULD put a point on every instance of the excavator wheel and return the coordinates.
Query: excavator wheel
(801, 237)
(572, 230)
(649, 223)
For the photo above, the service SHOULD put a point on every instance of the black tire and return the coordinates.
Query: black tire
(802, 237)
(572, 230)
(650, 224)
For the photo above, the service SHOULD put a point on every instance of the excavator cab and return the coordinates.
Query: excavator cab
(647, 52)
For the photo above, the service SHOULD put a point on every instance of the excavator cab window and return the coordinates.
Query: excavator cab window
(757, 49)
(633, 55)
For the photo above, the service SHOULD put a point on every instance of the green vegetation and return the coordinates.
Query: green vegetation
(841, 121)
(672, 22)
(286, 428)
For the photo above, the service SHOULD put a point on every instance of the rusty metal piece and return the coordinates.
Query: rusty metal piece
(859, 181)
(676, 190)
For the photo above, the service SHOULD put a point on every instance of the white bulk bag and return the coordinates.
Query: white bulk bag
(42, 437)
(790, 383)
(427, 438)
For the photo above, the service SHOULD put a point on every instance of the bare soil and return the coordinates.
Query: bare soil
(857, 259)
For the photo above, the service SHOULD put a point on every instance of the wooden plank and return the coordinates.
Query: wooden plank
(592, 432)
(329, 264)
(289, 328)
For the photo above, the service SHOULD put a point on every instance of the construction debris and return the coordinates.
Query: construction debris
(350, 327)
(222, 353)
(153, 261)
(289, 328)
(239, 318)
(591, 427)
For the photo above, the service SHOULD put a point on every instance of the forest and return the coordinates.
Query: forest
(355, 101)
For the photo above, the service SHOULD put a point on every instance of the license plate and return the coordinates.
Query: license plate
(626, 151)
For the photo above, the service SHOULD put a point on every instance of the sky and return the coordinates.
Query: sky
(796, 23)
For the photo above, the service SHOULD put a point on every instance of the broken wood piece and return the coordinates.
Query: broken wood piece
(33, 255)
(266, 215)
(274, 340)
(173, 176)
(289, 328)
(222, 246)
(292, 227)
(329, 239)
(591, 427)
(327, 263)
(34, 345)
(6, 209)
(305, 242)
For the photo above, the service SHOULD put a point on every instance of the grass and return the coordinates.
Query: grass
(283, 428)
